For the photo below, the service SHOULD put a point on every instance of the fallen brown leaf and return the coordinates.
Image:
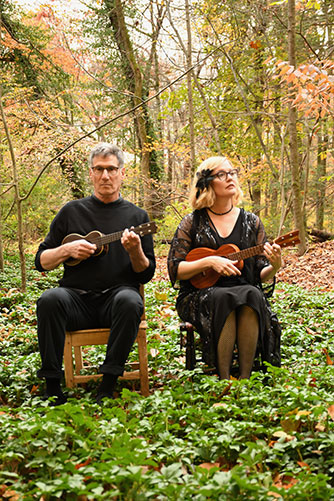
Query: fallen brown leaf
(330, 411)
(208, 466)
(329, 361)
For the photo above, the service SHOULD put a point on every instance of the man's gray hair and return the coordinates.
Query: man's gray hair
(106, 149)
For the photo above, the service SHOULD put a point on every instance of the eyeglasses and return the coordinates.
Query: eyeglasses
(222, 174)
(111, 171)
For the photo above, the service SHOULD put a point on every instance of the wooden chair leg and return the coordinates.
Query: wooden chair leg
(78, 359)
(90, 337)
(189, 344)
(68, 361)
(143, 362)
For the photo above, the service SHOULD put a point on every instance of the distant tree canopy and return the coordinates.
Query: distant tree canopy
(125, 64)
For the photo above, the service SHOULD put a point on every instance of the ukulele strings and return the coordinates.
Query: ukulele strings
(245, 253)
(258, 249)
(105, 239)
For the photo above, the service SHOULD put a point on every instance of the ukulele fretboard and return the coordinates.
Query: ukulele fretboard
(244, 254)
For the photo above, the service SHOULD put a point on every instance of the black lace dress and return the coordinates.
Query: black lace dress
(207, 309)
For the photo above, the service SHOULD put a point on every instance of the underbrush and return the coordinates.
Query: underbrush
(194, 437)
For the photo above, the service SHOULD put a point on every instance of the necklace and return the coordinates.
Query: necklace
(220, 213)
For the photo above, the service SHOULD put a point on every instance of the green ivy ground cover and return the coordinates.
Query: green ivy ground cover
(194, 437)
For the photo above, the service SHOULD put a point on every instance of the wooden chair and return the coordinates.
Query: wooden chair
(74, 340)
(187, 341)
(190, 343)
(190, 340)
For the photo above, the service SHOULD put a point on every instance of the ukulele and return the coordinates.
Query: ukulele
(209, 277)
(101, 240)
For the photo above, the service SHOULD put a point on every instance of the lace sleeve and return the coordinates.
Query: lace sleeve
(261, 234)
(261, 238)
(180, 246)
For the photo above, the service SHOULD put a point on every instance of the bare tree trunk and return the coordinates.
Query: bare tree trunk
(200, 89)
(1, 243)
(18, 201)
(277, 152)
(135, 79)
(306, 142)
(190, 93)
(298, 215)
(156, 26)
(285, 206)
(259, 91)
(1, 240)
(321, 173)
(169, 161)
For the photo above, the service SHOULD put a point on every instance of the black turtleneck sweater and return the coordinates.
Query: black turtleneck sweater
(112, 268)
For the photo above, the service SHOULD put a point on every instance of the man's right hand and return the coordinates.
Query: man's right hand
(80, 249)
(77, 249)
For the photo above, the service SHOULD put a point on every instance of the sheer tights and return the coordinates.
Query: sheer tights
(241, 327)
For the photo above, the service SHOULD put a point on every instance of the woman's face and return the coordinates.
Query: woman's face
(225, 183)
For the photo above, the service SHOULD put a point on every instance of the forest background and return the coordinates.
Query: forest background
(171, 82)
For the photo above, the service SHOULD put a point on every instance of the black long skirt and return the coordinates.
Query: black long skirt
(227, 299)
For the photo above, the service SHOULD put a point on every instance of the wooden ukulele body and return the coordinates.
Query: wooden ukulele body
(101, 241)
(93, 237)
(210, 277)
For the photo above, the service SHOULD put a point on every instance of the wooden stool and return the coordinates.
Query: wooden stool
(90, 337)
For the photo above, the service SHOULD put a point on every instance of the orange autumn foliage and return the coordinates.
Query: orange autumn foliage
(311, 87)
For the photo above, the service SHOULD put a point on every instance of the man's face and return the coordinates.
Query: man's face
(106, 177)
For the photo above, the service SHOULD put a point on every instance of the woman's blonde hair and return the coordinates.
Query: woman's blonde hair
(205, 197)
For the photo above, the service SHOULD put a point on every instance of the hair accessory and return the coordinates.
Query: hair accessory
(204, 179)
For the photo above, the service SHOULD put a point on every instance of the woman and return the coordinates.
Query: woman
(232, 310)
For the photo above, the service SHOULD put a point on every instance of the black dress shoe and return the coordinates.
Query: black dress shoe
(56, 399)
(103, 395)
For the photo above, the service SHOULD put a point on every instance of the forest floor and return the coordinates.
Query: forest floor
(313, 269)
(195, 437)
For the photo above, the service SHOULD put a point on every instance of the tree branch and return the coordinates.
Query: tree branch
(112, 89)
(111, 120)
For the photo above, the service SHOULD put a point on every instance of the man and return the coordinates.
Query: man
(101, 290)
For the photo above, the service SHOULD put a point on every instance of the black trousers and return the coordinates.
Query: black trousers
(63, 309)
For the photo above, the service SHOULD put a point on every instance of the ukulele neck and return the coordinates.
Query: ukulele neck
(245, 253)
(107, 239)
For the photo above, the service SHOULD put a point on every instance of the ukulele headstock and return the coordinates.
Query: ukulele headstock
(146, 228)
(291, 238)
